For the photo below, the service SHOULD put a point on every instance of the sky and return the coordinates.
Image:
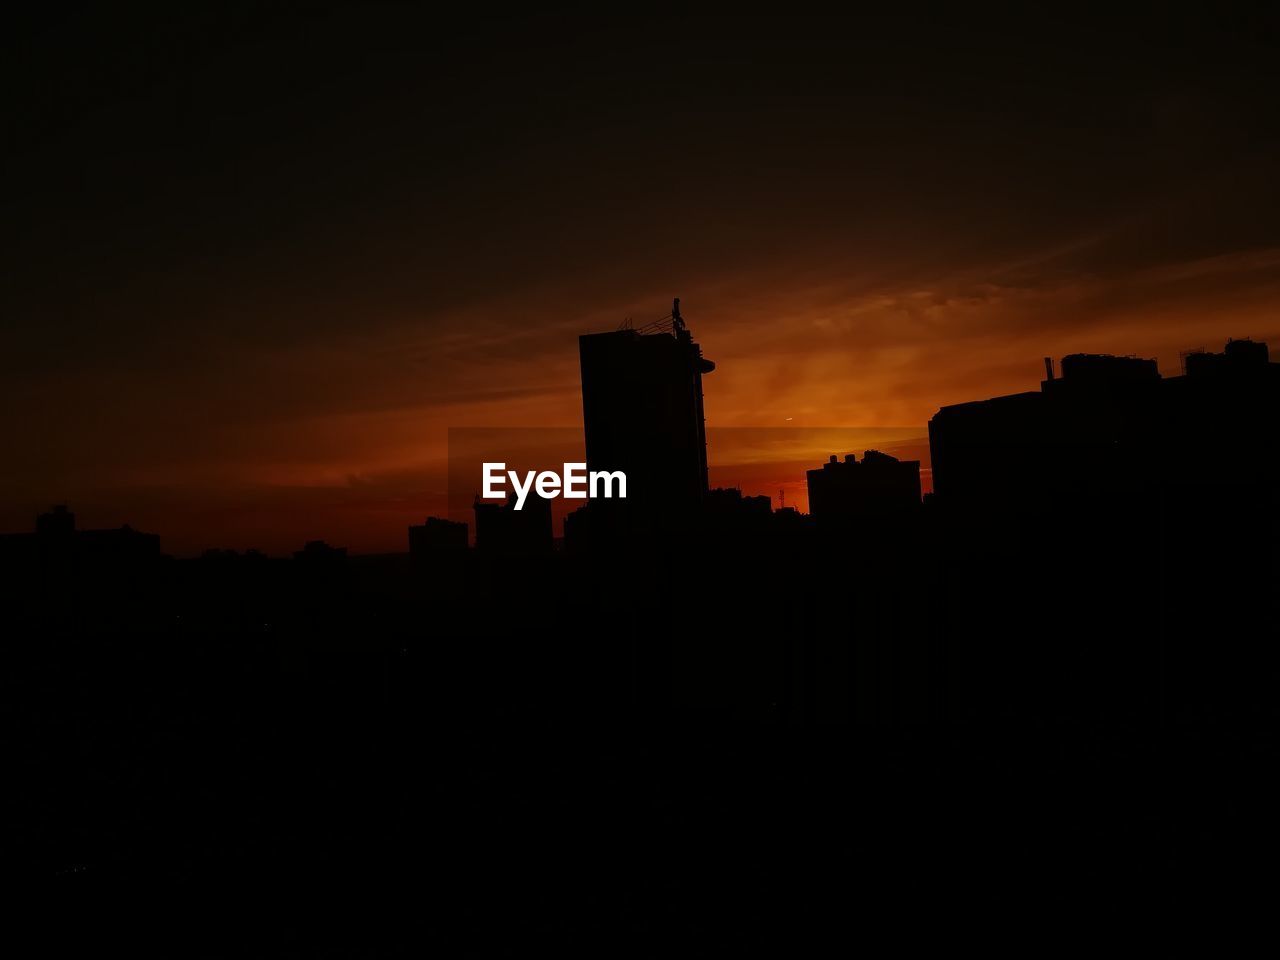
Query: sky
(258, 262)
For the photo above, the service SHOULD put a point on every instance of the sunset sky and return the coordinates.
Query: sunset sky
(258, 263)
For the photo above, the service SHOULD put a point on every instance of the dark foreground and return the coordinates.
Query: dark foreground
(255, 758)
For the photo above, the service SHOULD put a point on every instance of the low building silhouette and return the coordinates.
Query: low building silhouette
(438, 538)
(727, 516)
(1238, 356)
(57, 522)
(1106, 526)
(56, 539)
(318, 553)
(502, 530)
(1112, 427)
(730, 503)
(879, 487)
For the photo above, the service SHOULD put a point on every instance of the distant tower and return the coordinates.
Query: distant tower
(642, 412)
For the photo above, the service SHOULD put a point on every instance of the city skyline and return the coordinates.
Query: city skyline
(938, 347)
(767, 471)
(249, 303)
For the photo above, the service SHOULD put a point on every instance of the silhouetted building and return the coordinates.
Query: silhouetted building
(58, 522)
(502, 530)
(1239, 356)
(1112, 427)
(1107, 527)
(730, 502)
(642, 414)
(1081, 368)
(437, 538)
(585, 532)
(218, 555)
(727, 516)
(57, 539)
(124, 544)
(318, 553)
(880, 487)
(789, 516)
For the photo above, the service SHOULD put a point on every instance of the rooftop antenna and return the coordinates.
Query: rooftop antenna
(677, 321)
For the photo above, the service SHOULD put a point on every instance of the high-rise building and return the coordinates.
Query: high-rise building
(642, 413)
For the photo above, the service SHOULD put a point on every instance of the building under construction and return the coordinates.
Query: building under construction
(642, 414)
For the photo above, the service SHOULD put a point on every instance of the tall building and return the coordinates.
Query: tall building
(642, 413)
